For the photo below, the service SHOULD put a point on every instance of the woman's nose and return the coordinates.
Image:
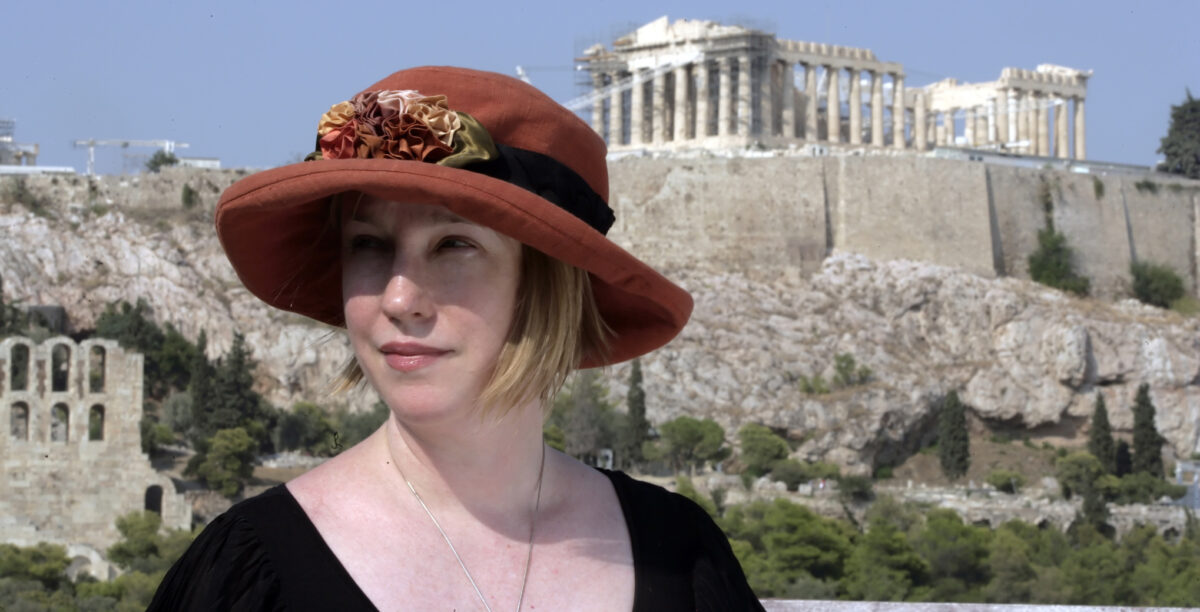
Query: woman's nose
(406, 296)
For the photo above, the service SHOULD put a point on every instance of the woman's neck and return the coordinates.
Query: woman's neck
(488, 467)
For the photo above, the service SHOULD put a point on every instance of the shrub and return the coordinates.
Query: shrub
(1098, 187)
(1146, 186)
(856, 488)
(847, 373)
(190, 197)
(813, 386)
(1155, 284)
(1007, 481)
(1052, 263)
(791, 473)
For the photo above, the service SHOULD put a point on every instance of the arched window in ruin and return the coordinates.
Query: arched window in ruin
(96, 423)
(60, 367)
(96, 369)
(19, 421)
(60, 418)
(154, 499)
(19, 360)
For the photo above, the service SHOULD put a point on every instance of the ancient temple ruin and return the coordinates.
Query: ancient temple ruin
(72, 458)
(700, 84)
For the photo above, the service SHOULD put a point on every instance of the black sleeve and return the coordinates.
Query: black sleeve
(717, 578)
(682, 560)
(226, 568)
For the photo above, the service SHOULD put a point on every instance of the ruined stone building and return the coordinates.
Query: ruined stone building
(72, 458)
(699, 84)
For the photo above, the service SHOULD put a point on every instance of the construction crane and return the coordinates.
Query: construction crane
(168, 146)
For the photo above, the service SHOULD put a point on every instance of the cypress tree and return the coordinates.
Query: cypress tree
(1147, 443)
(637, 428)
(1124, 460)
(1100, 439)
(954, 445)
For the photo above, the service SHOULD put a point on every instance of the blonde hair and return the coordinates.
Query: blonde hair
(556, 324)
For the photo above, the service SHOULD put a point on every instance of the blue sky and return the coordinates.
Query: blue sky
(247, 81)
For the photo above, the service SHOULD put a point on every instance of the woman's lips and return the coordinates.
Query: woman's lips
(410, 356)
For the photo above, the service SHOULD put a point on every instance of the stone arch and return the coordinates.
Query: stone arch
(982, 522)
(19, 421)
(19, 366)
(79, 565)
(1044, 524)
(60, 367)
(154, 498)
(97, 370)
(60, 423)
(96, 422)
(1171, 534)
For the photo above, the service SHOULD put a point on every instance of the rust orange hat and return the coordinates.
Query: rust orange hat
(491, 149)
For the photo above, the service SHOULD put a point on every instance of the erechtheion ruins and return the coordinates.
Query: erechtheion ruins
(702, 84)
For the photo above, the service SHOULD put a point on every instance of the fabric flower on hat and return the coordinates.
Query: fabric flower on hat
(403, 125)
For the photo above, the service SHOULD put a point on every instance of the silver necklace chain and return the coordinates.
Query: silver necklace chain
(532, 523)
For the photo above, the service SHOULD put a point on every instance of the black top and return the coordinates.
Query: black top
(265, 554)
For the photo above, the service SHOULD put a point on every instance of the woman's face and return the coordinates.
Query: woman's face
(429, 299)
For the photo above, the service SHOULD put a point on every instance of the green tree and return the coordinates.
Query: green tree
(761, 448)
(685, 487)
(309, 428)
(228, 462)
(160, 160)
(884, 566)
(588, 421)
(45, 563)
(354, 427)
(1181, 146)
(954, 444)
(1012, 570)
(1077, 473)
(686, 442)
(554, 437)
(957, 555)
(1124, 459)
(1100, 439)
(636, 430)
(1147, 443)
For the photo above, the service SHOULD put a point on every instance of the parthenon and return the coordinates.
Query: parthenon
(700, 84)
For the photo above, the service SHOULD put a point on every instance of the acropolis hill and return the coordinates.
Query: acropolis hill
(909, 254)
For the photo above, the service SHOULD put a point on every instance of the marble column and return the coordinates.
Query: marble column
(766, 97)
(855, 106)
(702, 94)
(876, 108)
(991, 121)
(1013, 117)
(680, 122)
(637, 111)
(1080, 133)
(918, 129)
(787, 87)
(1043, 126)
(811, 102)
(898, 114)
(1002, 116)
(744, 96)
(969, 127)
(833, 106)
(616, 114)
(659, 114)
(1023, 123)
(948, 126)
(598, 104)
(1062, 146)
(981, 126)
(725, 99)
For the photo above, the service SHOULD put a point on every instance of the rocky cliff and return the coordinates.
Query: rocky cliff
(1022, 356)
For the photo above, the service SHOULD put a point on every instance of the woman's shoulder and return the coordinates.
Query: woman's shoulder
(260, 554)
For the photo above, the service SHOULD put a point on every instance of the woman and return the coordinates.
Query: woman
(453, 222)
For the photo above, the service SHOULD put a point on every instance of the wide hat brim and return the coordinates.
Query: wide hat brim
(276, 229)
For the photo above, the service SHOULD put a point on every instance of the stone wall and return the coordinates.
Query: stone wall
(71, 447)
(783, 215)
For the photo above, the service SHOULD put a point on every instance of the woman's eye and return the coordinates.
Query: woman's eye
(455, 243)
(364, 242)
